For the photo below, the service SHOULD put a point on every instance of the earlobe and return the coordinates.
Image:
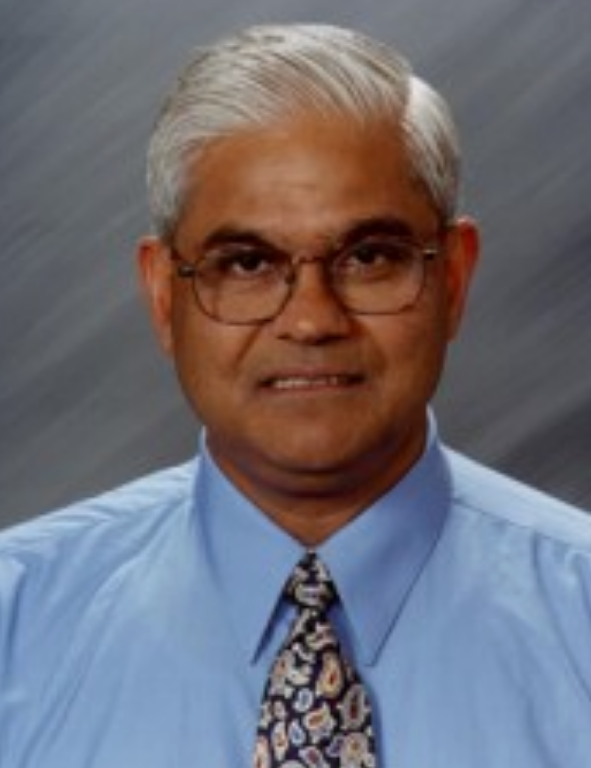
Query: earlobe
(463, 249)
(155, 275)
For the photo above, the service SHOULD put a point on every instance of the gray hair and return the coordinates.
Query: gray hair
(270, 73)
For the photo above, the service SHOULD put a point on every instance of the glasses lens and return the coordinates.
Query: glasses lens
(379, 276)
(241, 284)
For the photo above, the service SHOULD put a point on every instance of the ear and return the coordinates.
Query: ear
(462, 251)
(155, 273)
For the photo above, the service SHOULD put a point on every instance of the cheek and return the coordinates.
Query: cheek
(192, 351)
(193, 372)
(413, 354)
(208, 358)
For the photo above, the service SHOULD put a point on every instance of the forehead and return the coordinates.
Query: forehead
(303, 178)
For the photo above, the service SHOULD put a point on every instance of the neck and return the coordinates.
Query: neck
(312, 506)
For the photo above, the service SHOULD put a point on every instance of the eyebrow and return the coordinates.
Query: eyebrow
(235, 235)
(230, 234)
(376, 225)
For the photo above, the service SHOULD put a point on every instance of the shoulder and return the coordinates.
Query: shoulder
(68, 548)
(508, 592)
(77, 584)
(525, 555)
(501, 502)
(136, 503)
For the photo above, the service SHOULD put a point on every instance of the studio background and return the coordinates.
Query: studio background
(86, 399)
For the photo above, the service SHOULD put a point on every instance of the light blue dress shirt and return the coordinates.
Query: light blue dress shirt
(137, 629)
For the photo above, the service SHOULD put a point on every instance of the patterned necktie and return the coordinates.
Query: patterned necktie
(315, 711)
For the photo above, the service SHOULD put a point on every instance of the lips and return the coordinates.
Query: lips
(298, 382)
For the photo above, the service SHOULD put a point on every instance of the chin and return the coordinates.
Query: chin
(316, 452)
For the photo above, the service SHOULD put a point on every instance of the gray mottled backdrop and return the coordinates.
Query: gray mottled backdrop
(86, 401)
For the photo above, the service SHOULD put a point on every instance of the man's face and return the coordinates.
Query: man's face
(317, 398)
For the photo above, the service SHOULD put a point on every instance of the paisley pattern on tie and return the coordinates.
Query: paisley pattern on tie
(315, 711)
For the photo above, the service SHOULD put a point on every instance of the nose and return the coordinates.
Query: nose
(312, 313)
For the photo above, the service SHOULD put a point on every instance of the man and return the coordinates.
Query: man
(307, 272)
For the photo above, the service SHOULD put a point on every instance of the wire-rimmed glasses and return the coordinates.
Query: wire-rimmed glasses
(247, 283)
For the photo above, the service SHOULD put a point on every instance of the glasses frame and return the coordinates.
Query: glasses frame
(187, 270)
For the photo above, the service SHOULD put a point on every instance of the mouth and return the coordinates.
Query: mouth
(299, 382)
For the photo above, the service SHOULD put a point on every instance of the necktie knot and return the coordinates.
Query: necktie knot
(310, 586)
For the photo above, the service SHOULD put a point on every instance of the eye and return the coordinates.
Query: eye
(375, 257)
(239, 264)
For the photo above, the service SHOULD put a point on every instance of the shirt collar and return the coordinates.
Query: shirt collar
(247, 559)
(375, 560)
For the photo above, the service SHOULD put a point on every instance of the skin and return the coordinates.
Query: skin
(310, 456)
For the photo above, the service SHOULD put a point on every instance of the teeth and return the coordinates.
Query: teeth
(305, 382)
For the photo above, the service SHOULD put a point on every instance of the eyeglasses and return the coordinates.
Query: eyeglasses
(244, 283)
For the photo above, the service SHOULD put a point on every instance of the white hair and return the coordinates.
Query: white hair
(271, 73)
